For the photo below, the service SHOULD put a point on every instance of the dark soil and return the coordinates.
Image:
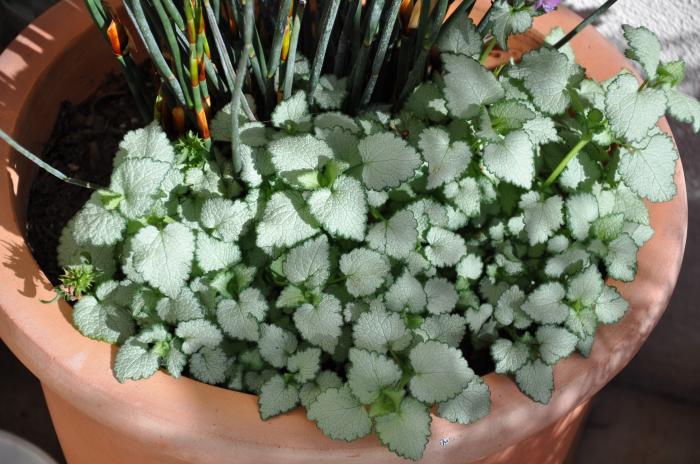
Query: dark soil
(84, 141)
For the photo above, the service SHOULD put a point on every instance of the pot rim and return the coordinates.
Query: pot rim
(164, 409)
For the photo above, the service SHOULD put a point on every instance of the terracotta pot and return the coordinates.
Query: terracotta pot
(163, 420)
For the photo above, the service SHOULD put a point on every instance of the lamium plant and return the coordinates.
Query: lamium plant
(365, 255)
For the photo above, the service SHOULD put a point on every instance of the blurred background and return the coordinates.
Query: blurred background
(651, 412)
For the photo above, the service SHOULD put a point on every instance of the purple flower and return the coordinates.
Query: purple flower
(547, 5)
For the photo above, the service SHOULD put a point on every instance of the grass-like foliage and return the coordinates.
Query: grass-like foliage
(352, 263)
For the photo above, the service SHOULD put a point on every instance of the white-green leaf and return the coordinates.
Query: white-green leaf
(164, 257)
(558, 264)
(198, 333)
(101, 320)
(633, 113)
(225, 218)
(213, 254)
(470, 267)
(585, 287)
(277, 397)
(209, 365)
(365, 271)
(446, 160)
(138, 180)
(468, 86)
(240, 319)
(341, 209)
(466, 194)
(440, 372)
(477, 317)
(309, 263)
(444, 248)
(644, 48)
(406, 294)
(546, 74)
(441, 295)
(545, 304)
(320, 325)
(95, 225)
(472, 404)
(330, 92)
(285, 221)
(509, 356)
(541, 131)
(378, 330)
(684, 108)
(581, 211)
(292, 114)
(621, 258)
(555, 343)
(536, 380)
(509, 303)
(542, 218)
(305, 364)
(406, 431)
(276, 344)
(309, 392)
(460, 37)
(610, 306)
(135, 361)
(369, 373)
(508, 21)
(649, 168)
(445, 328)
(300, 153)
(396, 237)
(512, 159)
(387, 160)
(340, 415)
(184, 307)
(148, 142)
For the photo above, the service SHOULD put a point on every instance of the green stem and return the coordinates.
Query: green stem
(174, 47)
(46, 167)
(569, 156)
(292, 56)
(582, 25)
(487, 51)
(389, 23)
(371, 28)
(330, 12)
(154, 51)
(240, 78)
(277, 38)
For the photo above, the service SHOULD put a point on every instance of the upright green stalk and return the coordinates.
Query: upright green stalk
(371, 28)
(582, 25)
(341, 56)
(291, 58)
(190, 12)
(432, 33)
(240, 78)
(276, 48)
(111, 34)
(154, 51)
(389, 24)
(222, 50)
(174, 14)
(330, 11)
(174, 48)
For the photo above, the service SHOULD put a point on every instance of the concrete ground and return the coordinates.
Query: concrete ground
(651, 412)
